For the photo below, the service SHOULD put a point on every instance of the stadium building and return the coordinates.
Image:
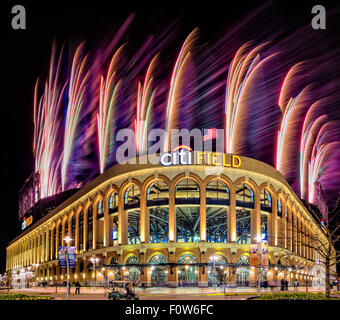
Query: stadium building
(191, 219)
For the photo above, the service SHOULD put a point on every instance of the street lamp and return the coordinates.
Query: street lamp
(214, 259)
(94, 260)
(67, 240)
(259, 241)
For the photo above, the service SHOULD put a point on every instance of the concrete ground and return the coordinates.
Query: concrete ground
(155, 293)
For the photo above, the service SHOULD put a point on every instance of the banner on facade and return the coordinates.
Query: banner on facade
(264, 255)
(62, 257)
(71, 254)
(253, 255)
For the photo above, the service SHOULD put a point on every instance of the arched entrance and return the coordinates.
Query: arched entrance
(216, 272)
(159, 274)
(243, 271)
(134, 272)
(187, 275)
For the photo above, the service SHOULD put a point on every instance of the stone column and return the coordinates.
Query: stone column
(231, 216)
(290, 230)
(272, 239)
(122, 221)
(94, 226)
(76, 240)
(143, 211)
(106, 236)
(294, 227)
(203, 213)
(85, 229)
(57, 240)
(298, 234)
(255, 218)
(47, 249)
(172, 215)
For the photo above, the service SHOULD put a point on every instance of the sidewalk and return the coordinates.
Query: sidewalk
(156, 290)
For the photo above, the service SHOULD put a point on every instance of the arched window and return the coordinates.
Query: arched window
(66, 229)
(244, 202)
(187, 200)
(266, 208)
(244, 196)
(279, 208)
(217, 193)
(73, 228)
(158, 259)
(81, 231)
(60, 235)
(243, 260)
(132, 197)
(187, 192)
(132, 260)
(217, 200)
(113, 213)
(131, 204)
(158, 204)
(89, 245)
(100, 209)
(266, 201)
(134, 272)
(113, 202)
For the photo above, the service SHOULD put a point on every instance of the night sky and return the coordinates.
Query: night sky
(27, 54)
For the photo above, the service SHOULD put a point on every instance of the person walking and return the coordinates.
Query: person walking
(282, 284)
(77, 285)
(296, 285)
(286, 284)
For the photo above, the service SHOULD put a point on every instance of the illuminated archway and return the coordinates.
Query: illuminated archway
(132, 206)
(187, 201)
(157, 197)
(217, 202)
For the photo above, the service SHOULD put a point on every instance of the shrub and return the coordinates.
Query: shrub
(22, 297)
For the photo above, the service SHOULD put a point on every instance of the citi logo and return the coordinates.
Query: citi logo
(184, 156)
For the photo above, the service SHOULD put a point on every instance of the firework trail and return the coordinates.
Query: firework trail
(76, 91)
(145, 97)
(176, 86)
(289, 134)
(313, 122)
(242, 73)
(46, 129)
(317, 164)
(325, 148)
(107, 103)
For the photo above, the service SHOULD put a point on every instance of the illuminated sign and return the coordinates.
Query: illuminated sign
(26, 222)
(183, 155)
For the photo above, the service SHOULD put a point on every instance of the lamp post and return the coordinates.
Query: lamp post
(67, 240)
(214, 259)
(94, 260)
(258, 240)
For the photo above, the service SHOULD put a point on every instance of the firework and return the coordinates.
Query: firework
(145, 96)
(78, 78)
(46, 129)
(176, 84)
(107, 103)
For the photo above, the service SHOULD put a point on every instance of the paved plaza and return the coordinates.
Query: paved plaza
(190, 293)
